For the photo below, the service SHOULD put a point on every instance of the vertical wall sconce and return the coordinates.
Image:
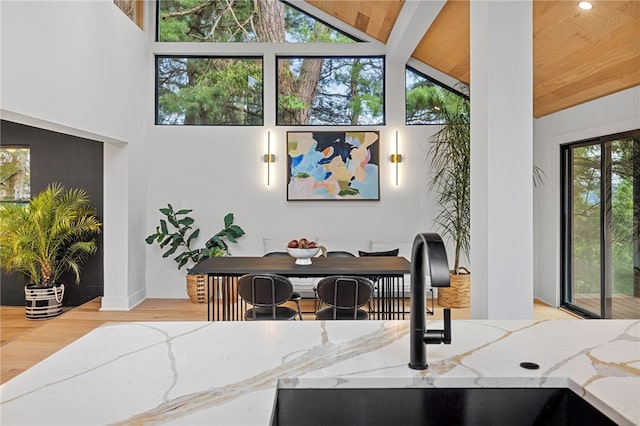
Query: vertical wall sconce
(269, 158)
(396, 158)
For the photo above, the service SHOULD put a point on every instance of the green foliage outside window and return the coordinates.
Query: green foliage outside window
(15, 174)
(209, 91)
(228, 91)
(240, 21)
(587, 169)
(425, 98)
(330, 90)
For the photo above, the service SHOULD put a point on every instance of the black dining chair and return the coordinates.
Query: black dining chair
(266, 293)
(295, 296)
(333, 253)
(340, 253)
(344, 295)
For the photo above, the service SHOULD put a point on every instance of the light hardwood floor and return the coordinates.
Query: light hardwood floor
(25, 342)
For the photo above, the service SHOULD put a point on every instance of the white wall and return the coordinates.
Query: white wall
(80, 68)
(219, 170)
(216, 170)
(612, 114)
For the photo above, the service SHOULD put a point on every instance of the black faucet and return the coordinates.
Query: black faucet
(419, 337)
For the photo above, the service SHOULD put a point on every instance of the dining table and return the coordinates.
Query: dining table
(386, 272)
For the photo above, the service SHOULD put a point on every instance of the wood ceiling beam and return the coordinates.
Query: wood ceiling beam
(409, 28)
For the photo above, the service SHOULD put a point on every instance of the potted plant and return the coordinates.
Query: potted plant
(450, 152)
(182, 236)
(54, 233)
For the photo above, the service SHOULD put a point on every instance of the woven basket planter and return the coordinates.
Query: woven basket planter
(43, 302)
(459, 294)
(196, 288)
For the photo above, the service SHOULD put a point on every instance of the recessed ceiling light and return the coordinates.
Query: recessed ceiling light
(585, 5)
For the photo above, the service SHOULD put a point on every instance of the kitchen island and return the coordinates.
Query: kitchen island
(194, 373)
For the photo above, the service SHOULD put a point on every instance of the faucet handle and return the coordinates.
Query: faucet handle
(446, 338)
(435, 337)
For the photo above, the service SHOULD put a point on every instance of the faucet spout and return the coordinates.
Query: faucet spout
(430, 244)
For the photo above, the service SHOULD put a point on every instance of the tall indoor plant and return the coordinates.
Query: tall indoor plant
(177, 234)
(450, 153)
(54, 233)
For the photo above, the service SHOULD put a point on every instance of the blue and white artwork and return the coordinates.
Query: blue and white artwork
(333, 165)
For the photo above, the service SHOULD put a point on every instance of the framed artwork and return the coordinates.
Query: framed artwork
(335, 165)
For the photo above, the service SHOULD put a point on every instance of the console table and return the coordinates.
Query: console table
(224, 304)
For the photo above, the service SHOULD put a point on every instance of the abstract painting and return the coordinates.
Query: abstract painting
(335, 165)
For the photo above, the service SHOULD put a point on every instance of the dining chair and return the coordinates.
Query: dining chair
(344, 295)
(295, 296)
(266, 293)
(333, 253)
(340, 253)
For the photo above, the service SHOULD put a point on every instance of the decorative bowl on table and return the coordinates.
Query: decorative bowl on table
(303, 255)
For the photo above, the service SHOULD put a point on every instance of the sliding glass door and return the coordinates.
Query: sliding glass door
(601, 215)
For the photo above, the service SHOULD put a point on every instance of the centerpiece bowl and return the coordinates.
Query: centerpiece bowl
(303, 256)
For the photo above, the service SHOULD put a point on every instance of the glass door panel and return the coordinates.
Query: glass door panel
(624, 259)
(585, 278)
(601, 231)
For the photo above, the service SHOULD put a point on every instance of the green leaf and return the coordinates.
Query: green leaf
(186, 221)
(163, 226)
(237, 230)
(166, 212)
(166, 241)
(170, 251)
(183, 262)
(183, 211)
(228, 220)
(173, 221)
(150, 239)
(193, 235)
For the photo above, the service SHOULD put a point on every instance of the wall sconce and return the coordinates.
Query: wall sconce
(396, 158)
(269, 158)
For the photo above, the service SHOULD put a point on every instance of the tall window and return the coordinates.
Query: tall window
(425, 98)
(209, 90)
(15, 174)
(330, 90)
(241, 21)
(601, 228)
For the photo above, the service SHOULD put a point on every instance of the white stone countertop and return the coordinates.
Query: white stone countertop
(194, 373)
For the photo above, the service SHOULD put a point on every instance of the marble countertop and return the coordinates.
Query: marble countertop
(193, 373)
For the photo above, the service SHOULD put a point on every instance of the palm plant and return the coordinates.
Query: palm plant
(53, 234)
(450, 153)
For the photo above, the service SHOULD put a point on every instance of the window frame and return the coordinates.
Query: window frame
(432, 80)
(292, 56)
(158, 56)
(566, 222)
(22, 147)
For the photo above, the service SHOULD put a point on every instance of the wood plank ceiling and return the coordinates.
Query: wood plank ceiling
(578, 55)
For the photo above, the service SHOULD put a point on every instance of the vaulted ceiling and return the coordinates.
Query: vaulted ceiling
(578, 55)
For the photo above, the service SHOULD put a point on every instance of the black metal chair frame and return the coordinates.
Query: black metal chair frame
(274, 302)
(295, 296)
(356, 301)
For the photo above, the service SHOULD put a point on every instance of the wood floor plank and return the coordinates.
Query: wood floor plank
(27, 342)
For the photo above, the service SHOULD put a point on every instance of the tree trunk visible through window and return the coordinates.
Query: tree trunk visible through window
(236, 21)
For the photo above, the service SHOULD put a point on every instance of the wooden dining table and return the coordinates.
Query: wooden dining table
(387, 273)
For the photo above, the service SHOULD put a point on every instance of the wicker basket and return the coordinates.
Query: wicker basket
(459, 294)
(196, 288)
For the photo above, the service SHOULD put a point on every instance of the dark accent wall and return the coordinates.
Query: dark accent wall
(75, 163)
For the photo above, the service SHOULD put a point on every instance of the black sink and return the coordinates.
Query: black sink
(434, 406)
